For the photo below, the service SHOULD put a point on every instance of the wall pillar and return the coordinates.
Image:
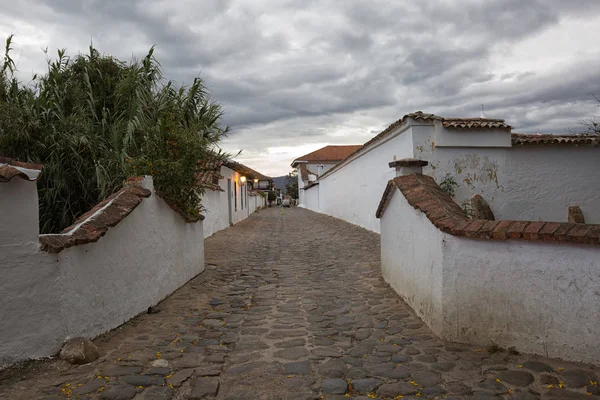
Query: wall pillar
(408, 166)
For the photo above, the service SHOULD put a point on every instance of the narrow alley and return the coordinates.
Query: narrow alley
(292, 306)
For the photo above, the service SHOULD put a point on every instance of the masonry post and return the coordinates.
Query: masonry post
(408, 166)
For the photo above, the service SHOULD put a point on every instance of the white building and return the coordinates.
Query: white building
(312, 165)
(233, 192)
(522, 177)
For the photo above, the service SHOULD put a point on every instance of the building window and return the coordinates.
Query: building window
(215, 179)
(235, 196)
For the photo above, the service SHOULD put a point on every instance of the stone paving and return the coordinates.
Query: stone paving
(292, 306)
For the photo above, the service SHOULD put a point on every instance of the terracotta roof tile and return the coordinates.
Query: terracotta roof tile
(451, 123)
(94, 224)
(11, 168)
(587, 140)
(424, 194)
(474, 123)
(246, 171)
(328, 153)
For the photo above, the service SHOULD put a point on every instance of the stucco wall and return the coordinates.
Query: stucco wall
(92, 288)
(541, 298)
(411, 259)
(352, 192)
(311, 196)
(216, 203)
(519, 183)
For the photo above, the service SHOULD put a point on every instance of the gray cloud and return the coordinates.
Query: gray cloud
(292, 73)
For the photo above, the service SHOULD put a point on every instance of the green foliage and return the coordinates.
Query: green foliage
(272, 196)
(93, 120)
(291, 185)
(449, 185)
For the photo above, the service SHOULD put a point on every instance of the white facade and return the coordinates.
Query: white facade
(541, 298)
(230, 206)
(536, 182)
(89, 289)
(315, 169)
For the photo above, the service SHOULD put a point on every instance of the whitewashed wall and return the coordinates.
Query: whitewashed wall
(216, 203)
(352, 192)
(519, 183)
(311, 197)
(541, 298)
(89, 289)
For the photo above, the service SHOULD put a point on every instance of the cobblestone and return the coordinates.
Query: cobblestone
(292, 306)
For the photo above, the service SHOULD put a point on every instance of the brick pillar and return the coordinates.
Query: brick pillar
(408, 166)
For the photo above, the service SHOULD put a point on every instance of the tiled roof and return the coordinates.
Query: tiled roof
(424, 194)
(305, 172)
(474, 123)
(91, 226)
(328, 153)
(246, 171)
(11, 168)
(587, 140)
(211, 172)
(450, 123)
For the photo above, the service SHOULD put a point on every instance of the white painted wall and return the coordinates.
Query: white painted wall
(541, 298)
(353, 191)
(88, 289)
(527, 183)
(216, 203)
(411, 259)
(520, 183)
(311, 196)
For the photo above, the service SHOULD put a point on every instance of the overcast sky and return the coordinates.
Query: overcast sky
(295, 75)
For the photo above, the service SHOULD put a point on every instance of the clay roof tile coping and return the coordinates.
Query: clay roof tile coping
(11, 168)
(333, 153)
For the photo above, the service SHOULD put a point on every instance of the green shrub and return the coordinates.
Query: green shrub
(93, 120)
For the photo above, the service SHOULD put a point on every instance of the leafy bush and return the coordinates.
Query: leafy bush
(92, 120)
(449, 185)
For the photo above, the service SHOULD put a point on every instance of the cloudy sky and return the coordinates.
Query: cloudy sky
(295, 75)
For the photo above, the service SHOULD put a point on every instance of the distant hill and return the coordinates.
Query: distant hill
(280, 182)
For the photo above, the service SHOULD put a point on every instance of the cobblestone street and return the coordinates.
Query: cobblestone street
(292, 306)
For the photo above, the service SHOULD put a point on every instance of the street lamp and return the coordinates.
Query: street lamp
(243, 179)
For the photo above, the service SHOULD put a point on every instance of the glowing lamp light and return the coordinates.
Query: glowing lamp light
(255, 180)
(243, 179)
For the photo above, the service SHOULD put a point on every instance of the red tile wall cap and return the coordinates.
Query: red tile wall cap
(584, 140)
(11, 168)
(424, 194)
(94, 224)
(456, 123)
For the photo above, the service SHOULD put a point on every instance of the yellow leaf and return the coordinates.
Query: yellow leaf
(498, 380)
(550, 386)
(140, 387)
(289, 376)
(478, 350)
(520, 365)
(560, 385)
(347, 395)
(560, 369)
(418, 394)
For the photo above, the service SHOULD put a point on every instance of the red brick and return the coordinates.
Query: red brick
(486, 230)
(459, 228)
(516, 229)
(532, 229)
(560, 234)
(593, 236)
(472, 229)
(500, 231)
(448, 224)
(578, 233)
(546, 233)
